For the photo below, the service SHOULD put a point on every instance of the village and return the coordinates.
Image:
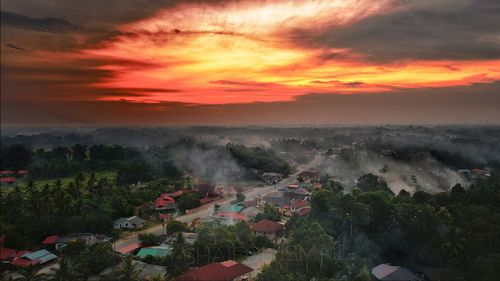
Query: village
(195, 227)
(266, 209)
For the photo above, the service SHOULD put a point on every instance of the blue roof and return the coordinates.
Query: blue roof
(41, 255)
(154, 251)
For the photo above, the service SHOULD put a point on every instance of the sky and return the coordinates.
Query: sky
(145, 62)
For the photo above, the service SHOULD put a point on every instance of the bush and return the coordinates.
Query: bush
(263, 242)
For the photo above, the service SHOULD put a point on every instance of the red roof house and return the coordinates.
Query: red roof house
(24, 262)
(304, 211)
(267, 226)
(50, 240)
(7, 253)
(175, 194)
(8, 180)
(224, 271)
(165, 202)
(231, 215)
(298, 204)
(129, 248)
(164, 217)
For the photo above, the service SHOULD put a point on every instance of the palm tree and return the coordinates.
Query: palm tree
(455, 243)
(181, 255)
(180, 249)
(127, 271)
(63, 273)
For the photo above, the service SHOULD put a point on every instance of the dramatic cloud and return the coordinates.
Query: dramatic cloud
(458, 30)
(144, 57)
(42, 24)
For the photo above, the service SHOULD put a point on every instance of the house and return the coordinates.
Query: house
(304, 212)
(276, 199)
(271, 178)
(146, 271)
(59, 242)
(250, 212)
(225, 218)
(299, 207)
(176, 194)
(234, 208)
(223, 271)
(33, 258)
(387, 272)
(249, 203)
(8, 180)
(297, 194)
(480, 172)
(165, 203)
(310, 176)
(189, 238)
(128, 223)
(157, 251)
(164, 217)
(22, 172)
(7, 254)
(207, 189)
(268, 228)
(129, 248)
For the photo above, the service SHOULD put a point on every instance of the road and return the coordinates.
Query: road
(260, 259)
(249, 195)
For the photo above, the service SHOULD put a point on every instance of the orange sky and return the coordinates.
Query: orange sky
(240, 52)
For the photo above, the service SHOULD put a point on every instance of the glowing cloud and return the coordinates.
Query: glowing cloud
(242, 52)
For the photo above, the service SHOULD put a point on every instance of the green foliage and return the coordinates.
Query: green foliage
(220, 243)
(270, 213)
(457, 232)
(95, 259)
(31, 213)
(370, 182)
(176, 226)
(189, 201)
(148, 239)
(181, 257)
(126, 271)
(240, 197)
(259, 158)
(15, 157)
(263, 242)
(132, 173)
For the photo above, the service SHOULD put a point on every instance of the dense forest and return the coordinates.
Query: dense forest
(348, 234)
(134, 164)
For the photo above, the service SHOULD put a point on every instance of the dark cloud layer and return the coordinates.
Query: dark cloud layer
(459, 29)
(477, 104)
(48, 24)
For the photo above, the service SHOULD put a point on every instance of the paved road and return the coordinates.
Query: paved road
(260, 259)
(249, 195)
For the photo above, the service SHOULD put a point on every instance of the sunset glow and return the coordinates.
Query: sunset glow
(249, 52)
